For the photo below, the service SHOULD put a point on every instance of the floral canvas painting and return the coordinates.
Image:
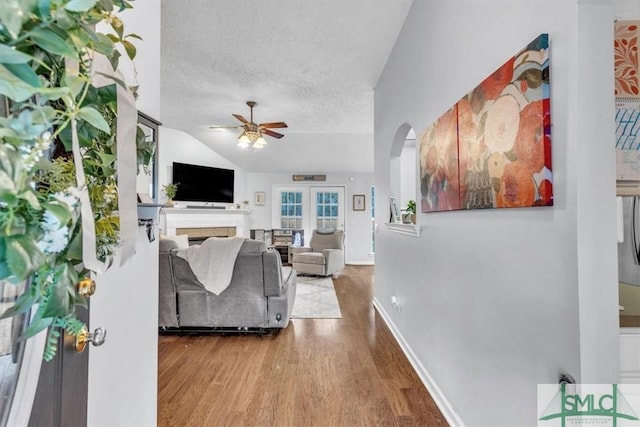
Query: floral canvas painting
(440, 149)
(493, 148)
(627, 97)
(626, 59)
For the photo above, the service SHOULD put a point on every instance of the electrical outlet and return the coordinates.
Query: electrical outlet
(395, 304)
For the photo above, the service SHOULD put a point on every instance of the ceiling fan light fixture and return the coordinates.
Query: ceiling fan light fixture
(252, 133)
(244, 141)
(251, 138)
(260, 143)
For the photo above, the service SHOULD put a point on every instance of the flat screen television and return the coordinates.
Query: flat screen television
(203, 183)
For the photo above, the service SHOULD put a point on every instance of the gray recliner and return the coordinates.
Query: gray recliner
(324, 256)
(260, 295)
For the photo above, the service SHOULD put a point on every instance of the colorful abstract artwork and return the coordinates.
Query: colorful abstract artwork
(493, 148)
(627, 98)
(625, 46)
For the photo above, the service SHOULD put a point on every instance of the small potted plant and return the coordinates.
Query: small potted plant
(170, 191)
(409, 216)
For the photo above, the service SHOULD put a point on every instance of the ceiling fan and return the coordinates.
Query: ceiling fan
(251, 135)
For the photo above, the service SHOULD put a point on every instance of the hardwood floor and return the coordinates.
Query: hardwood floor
(629, 321)
(317, 372)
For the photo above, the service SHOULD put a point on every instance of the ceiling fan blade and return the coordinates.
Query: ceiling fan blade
(271, 133)
(242, 119)
(226, 127)
(273, 125)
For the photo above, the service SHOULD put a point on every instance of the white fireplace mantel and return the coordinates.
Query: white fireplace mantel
(173, 218)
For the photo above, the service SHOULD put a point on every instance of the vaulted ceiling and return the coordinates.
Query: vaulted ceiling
(311, 63)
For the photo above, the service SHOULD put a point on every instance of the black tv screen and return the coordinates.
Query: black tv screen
(203, 183)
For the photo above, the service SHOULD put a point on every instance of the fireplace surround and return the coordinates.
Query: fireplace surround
(200, 224)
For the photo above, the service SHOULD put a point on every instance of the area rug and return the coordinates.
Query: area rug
(315, 299)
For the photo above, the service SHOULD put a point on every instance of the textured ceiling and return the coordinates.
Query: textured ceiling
(310, 63)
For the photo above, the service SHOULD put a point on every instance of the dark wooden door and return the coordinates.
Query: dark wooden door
(61, 396)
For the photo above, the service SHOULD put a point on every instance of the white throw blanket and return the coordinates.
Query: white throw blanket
(212, 262)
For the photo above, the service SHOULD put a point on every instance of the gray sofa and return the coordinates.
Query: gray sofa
(260, 295)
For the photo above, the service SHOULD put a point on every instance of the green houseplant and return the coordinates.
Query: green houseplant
(411, 207)
(410, 212)
(40, 221)
(170, 191)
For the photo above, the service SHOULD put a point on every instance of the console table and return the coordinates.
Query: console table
(174, 220)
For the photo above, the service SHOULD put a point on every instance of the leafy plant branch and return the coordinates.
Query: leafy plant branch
(40, 222)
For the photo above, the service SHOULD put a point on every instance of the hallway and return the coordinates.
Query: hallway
(317, 372)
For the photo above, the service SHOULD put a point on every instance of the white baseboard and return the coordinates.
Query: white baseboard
(438, 397)
(360, 263)
(629, 351)
(629, 377)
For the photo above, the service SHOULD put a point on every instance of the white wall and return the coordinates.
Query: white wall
(144, 20)
(126, 299)
(596, 240)
(357, 223)
(179, 146)
(494, 302)
(409, 176)
(627, 9)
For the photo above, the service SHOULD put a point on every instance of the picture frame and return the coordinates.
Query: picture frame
(259, 198)
(359, 202)
(395, 210)
(145, 198)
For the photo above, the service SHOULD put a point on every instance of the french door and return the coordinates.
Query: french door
(308, 208)
(327, 207)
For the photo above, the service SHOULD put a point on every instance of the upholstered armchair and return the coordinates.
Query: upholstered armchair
(324, 256)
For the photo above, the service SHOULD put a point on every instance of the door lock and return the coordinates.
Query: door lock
(86, 287)
(97, 338)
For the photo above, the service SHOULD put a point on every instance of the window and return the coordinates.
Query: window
(291, 209)
(326, 209)
(373, 219)
(307, 207)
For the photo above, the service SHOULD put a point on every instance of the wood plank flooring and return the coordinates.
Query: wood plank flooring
(317, 372)
(627, 321)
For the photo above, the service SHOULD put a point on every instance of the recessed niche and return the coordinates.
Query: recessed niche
(403, 181)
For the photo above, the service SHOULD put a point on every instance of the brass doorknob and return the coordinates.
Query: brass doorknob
(97, 338)
(86, 287)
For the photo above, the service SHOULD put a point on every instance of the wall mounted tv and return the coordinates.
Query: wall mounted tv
(203, 183)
